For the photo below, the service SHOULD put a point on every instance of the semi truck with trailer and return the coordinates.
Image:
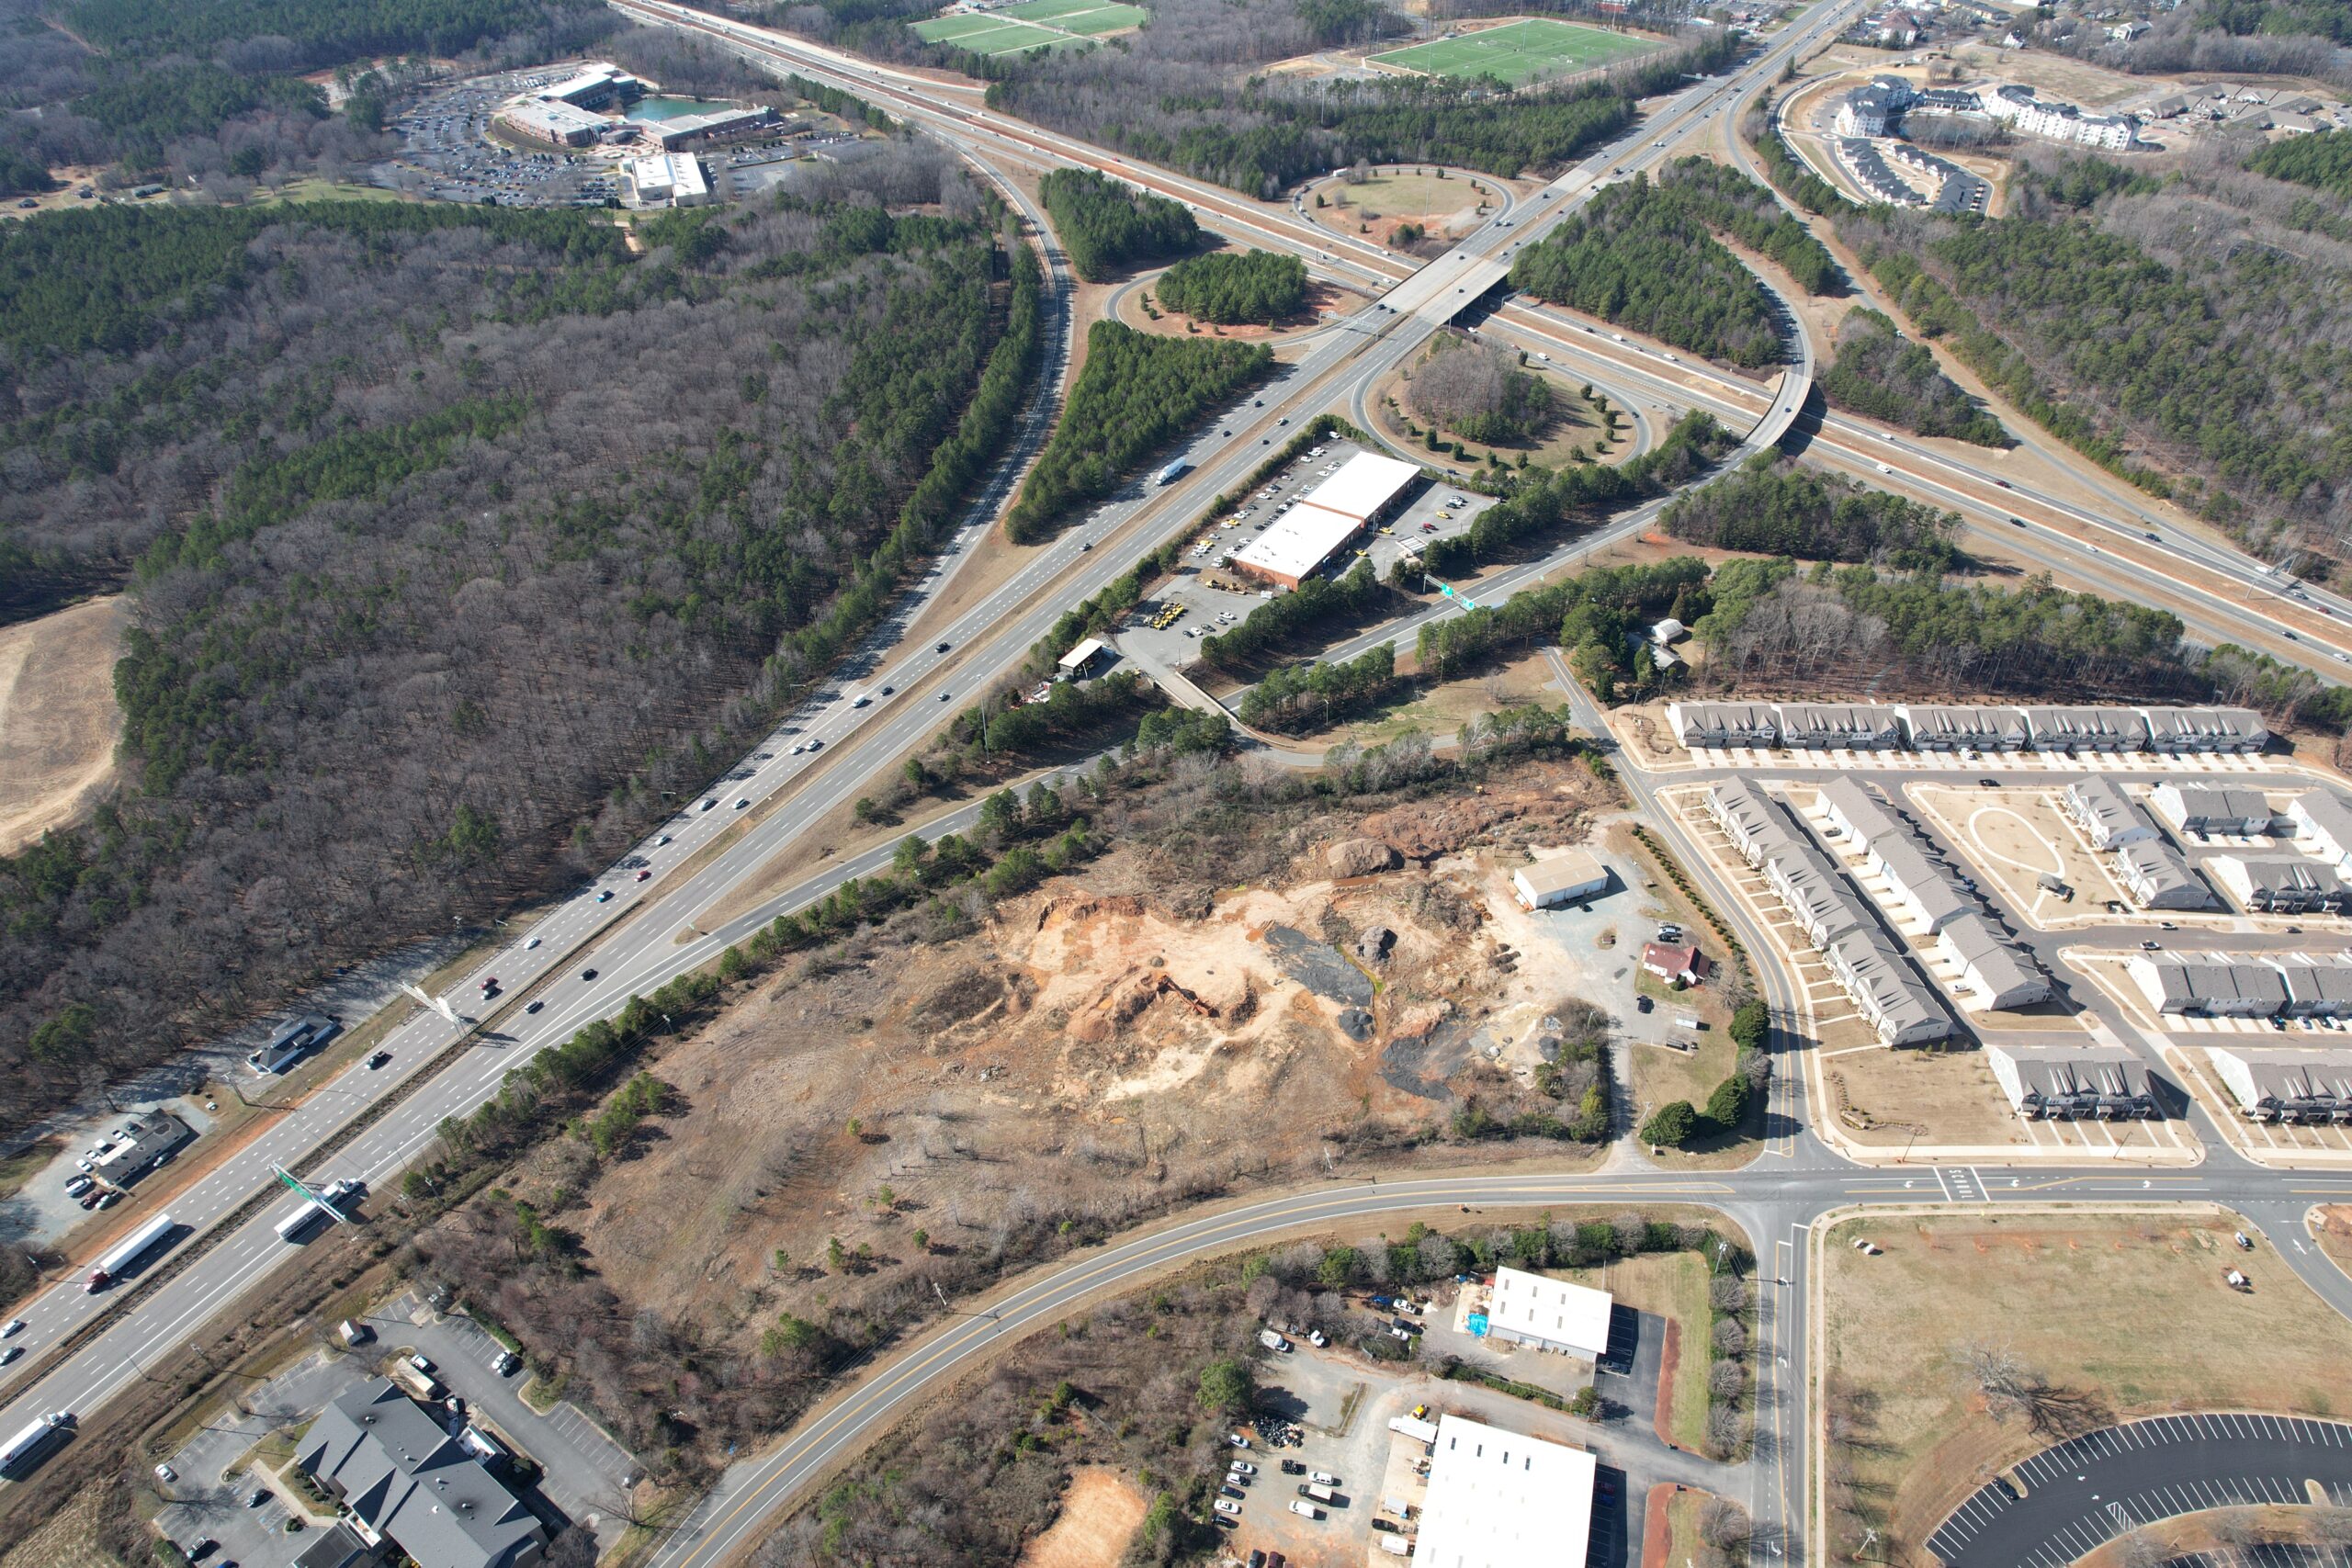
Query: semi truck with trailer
(1174, 472)
(129, 1250)
(26, 1448)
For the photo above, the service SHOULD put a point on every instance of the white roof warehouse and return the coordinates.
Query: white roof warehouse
(1295, 547)
(1500, 1499)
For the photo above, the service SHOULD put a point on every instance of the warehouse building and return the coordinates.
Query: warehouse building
(2278, 885)
(2288, 1086)
(2200, 808)
(2208, 985)
(1365, 492)
(1932, 728)
(1828, 726)
(2087, 730)
(2109, 817)
(1753, 725)
(1567, 879)
(2067, 1083)
(1500, 1499)
(2178, 730)
(1996, 969)
(1900, 1006)
(674, 179)
(552, 124)
(2320, 820)
(2156, 876)
(1550, 1314)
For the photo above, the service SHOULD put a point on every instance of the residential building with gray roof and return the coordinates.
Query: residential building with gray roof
(2104, 1083)
(2156, 876)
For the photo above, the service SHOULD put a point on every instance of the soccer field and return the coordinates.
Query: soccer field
(1034, 24)
(1534, 49)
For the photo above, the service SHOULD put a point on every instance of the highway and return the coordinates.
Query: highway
(619, 936)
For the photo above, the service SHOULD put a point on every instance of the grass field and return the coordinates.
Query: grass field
(2046, 1287)
(1034, 24)
(1671, 1285)
(1534, 49)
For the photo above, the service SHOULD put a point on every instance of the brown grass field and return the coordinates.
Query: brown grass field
(58, 719)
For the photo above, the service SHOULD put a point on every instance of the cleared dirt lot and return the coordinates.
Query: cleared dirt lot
(58, 719)
(1917, 1435)
(1100, 1513)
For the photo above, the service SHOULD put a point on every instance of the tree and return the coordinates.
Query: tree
(1671, 1125)
(1751, 1026)
(1727, 1106)
(1227, 1386)
(836, 1255)
(1725, 1524)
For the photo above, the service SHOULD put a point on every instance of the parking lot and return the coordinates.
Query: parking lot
(446, 151)
(1205, 598)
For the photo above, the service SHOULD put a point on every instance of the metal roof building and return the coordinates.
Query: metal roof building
(2000, 972)
(1499, 1499)
(2205, 730)
(1754, 725)
(2087, 730)
(2103, 1083)
(1934, 727)
(1297, 545)
(2157, 877)
(2283, 885)
(1551, 1314)
(1562, 879)
(2208, 985)
(2203, 808)
(2108, 816)
(2283, 1085)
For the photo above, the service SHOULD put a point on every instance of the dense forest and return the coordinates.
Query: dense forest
(2323, 161)
(1638, 256)
(1479, 391)
(2292, 38)
(318, 32)
(1881, 374)
(431, 611)
(1231, 288)
(1774, 507)
(1106, 226)
(1136, 393)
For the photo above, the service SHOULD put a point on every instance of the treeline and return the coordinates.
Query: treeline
(1789, 174)
(1233, 287)
(1594, 613)
(2322, 161)
(1584, 490)
(1771, 506)
(1136, 393)
(1105, 226)
(1312, 608)
(1302, 697)
(1638, 256)
(322, 32)
(1881, 374)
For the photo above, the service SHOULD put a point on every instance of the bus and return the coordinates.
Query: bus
(133, 1247)
(298, 1223)
(26, 1449)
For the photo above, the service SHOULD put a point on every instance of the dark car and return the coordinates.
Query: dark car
(378, 1059)
(535, 1007)
(587, 973)
(1291, 1467)
(941, 648)
(1988, 784)
(1643, 1004)
(605, 895)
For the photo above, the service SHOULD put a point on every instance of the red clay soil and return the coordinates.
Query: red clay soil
(1655, 1543)
(1667, 1358)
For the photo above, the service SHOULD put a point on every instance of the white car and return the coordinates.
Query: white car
(1322, 1478)
(1227, 1506)
(165, 1473)
(10, 1354)
(1237, 1439)
(1242, 1467)
(532, 944)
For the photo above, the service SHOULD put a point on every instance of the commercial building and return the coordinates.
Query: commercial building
(1550, 1314)
(2109, 817)
(552, 124)
(2208, 985)
(1934, 727)
(2064, 1083)
(672, 135)
(2278, 885)
(1824, 727)
(1566, 878)
(138, 1146)
(1996, 970)
(1366, 490)
(597, 86)
(2205, 730)
(407, 1483)
(1753, 725)
(2200, 808)
(2156, 876)
(675, 178)
(2288, 1086)
(2320, 820)
(292, 1040)
(1500, 1499)
(1880, 980)
(2071, 729)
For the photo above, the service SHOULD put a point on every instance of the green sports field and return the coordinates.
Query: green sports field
(1034, 24)
(1535, 50)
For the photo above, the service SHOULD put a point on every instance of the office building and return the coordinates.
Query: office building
(597, 86)
(2064, 1083)
(410, 1485)
(1366, 490)
(552, 124)
(673, 179)
(671, 135)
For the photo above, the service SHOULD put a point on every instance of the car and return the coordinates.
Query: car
(200, 1548)
(422, 1363)
(664, 838)
(2150, 946)
(109, 1200)
(1988, 784)
(377, 1060)
(588, 973)
(1242, 1467)
(489, 984)
(506, 1363)
(2148, 535)
(1388, 1527)
(889, 691)
(2294, 931)
(2166, 926)
(2005, 484)
(534, 941)
(741, 803)
(605, 895)
(645, 876)
(1291, 1467)
(2244, 1244)
(944, 695)
(709, 801)
(796, 750)
(1323, 1477)
(1225, 436)
(1257, 1560)
(1236, 1439)
(78, 1186)
(534, 1006)
(941, 648)
(165, 1473)
(1230, 1490)
(10, 1354)
(2017, 522)
(1228, 1506)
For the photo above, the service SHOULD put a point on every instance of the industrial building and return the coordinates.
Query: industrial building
(674, 179)
(2278, 885)
(552, 124)
(138, 1146)
(2072, 729)
(2156, 876)
(1932, 728)
(2200, 808)
(2208, 985)
(1828, 726)
(2066, 1083)
(1500, 1499)
(1996, 970)
(1753, 725)
(2109, 817)
(1366, 491)
(2288, 1086)
(408, 1484)
(2205, 730)
(2322, 820)
(1550, 1314)
(1567, 879)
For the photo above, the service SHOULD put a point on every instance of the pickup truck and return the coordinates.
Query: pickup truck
(1272, 1341)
